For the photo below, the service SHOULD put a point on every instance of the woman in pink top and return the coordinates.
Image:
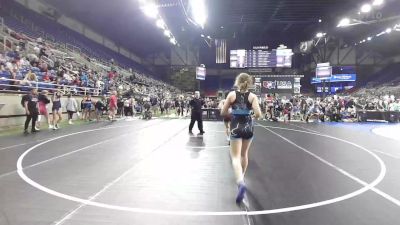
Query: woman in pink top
(113, 105)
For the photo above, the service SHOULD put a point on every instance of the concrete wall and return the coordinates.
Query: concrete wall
(12, 107)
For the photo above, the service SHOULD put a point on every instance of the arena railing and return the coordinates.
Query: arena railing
(24, 88)
(2, 23)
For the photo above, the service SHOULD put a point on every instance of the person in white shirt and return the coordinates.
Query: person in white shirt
(72, 107)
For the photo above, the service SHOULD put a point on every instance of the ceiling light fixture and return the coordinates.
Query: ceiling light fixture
(320, 35)
(380, 34)
(150, 10)
(388, 31)
(167, 33)
(377, 2)
(160, 23)
(199, 12)
(366, 8)
(344, 22)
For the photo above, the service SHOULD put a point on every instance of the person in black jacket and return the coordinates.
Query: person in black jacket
(197, 112)
(30, 103)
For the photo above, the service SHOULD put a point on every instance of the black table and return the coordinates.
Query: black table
(390, 116)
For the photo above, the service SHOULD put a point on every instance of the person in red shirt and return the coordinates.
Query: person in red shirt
(113, 105)
(46, 77)
(110, 75)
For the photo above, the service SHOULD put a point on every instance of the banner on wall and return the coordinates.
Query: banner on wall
(277, 85)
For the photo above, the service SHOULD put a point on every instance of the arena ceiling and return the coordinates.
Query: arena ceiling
(244, 22)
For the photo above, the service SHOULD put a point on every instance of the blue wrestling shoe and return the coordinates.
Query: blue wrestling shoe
(241, 192)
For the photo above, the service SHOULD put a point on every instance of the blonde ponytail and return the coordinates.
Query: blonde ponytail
(243, 82)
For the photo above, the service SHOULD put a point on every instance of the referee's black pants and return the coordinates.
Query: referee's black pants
(33, 117)
(196, 116)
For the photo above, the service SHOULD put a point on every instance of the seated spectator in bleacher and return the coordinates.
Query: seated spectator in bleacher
(111, 75)
(75, 81)
(29, 78)
(43, 66)
(35, 64)
(14, 54)
(39, 40)
(84, 79)
(32, 58)
(46, 77)
(24, 62)
(13, 83)
(395, 105)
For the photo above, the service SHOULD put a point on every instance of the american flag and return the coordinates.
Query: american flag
(220, 50)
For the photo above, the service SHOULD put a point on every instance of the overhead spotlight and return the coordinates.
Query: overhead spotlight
(202, 35)
(150, 10)
(208, 37)
(361, 42)
(366, 8)
(388, 31)
(320, 35)
(160, 23)
(377, 2)
(167, 33)
(319, 21)
(369, 38)
(173, 41)
(199, 11)
(344, 22)
(381, 33)
(222, 27)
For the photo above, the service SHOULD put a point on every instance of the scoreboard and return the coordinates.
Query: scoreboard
(261, 58)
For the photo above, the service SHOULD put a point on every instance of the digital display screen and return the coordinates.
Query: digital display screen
(324, 72)
(336, 78)
(238, 58)
(200, 73)
(261, 58)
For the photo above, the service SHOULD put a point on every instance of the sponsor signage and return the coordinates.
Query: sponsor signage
(277, 85)
(336, 78)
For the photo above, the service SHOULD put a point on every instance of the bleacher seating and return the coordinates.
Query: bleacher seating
(63, 35)
(383, 82)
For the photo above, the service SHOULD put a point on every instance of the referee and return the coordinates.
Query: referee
(196, 104)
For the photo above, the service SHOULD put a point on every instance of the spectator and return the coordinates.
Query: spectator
(100, 108)
(30, 103)
(57, 110)
(43, 102)
(72, 107)
(113, 105)
(29, 78)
